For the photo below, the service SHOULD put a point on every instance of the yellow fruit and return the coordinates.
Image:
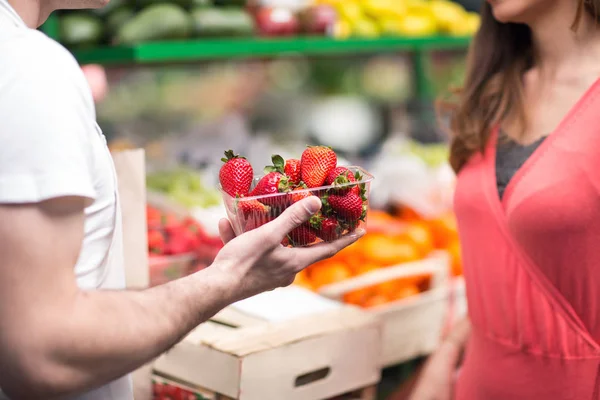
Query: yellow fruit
(418, 25)
(447, 14)
(342, 29)
(384, 8)
(365, 28)
(349, 10)
(466, 26)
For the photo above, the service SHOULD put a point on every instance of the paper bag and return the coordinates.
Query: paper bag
(131, 174)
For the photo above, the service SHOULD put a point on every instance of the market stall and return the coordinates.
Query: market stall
(358, 76)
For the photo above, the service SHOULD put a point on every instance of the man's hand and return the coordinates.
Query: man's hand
(58, 341)
(258, 261)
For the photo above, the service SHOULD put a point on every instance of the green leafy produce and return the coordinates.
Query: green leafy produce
(80, 29)
(156, 22)
(183, 186)
(221, 22)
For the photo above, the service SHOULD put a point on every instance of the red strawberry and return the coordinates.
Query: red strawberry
(327, 228)
(252, 208)
(341, 176)
(272, 183)
(300, 193)
(302, 236)
(236, 175)
(316, 164)
(289, 168)
(348, 207)
(293, 171)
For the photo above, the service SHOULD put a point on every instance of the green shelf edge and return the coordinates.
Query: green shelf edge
(202, 50)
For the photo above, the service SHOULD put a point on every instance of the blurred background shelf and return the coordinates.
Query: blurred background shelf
(201, 50)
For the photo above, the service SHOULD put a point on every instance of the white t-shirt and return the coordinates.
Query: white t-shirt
(51, 146)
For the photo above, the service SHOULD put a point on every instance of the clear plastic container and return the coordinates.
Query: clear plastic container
(340, 214)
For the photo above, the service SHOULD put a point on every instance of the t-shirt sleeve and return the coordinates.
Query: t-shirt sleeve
(46, 121)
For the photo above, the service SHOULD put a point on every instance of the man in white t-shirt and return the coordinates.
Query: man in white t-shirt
(67, 327)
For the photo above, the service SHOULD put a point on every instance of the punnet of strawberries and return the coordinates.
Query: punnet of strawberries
(253, 201)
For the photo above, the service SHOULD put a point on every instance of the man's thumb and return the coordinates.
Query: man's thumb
(295, 215)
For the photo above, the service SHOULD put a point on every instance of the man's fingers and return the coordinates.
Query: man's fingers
(313, 254)
(226, 231)
(294, 216)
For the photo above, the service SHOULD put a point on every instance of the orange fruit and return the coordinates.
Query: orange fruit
(302, 280)
(364, 268)
(393, 289)
(455, 258)
(375, 300)
(358, 297)
(406, 291)
(408, 214)
(420, 235)
(444, 229)
(385, 251)
(332, 273)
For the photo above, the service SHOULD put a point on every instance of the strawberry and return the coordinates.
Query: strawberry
(252, 208)
(327, 228)
(302, 236)
(299, 193)
(316, 164)
(293, 171)
(341, 177)
(289, 168)
(348, 207)
(273, 182)
(236, 175)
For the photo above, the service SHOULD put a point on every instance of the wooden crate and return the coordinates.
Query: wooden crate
(412, 327)
(309, 358)
(368, 393)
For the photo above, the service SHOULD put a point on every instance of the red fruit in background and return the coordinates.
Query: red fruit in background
(276, 21)
(341, 176)
(236, 175)
(327, 228)
(319, 19)
(252, 208)
(348, 207)
(302, 236)
(153, 217)
(293, 171)
(156, 241)
(316, 164)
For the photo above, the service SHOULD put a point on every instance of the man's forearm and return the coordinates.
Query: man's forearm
(106, 334)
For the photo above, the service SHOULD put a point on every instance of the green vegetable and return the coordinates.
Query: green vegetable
(217, 22)
(80, 29)
(156, 22)
(117, 19)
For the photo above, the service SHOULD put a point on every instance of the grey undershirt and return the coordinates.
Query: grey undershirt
(510, 156)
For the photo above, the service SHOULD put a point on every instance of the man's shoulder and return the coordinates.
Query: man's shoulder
(33, 55)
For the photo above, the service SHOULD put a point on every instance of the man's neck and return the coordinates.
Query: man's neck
(31, 11)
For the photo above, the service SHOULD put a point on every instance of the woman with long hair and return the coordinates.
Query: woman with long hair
(526, 149)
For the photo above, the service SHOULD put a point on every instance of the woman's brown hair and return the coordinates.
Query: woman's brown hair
(498, 58)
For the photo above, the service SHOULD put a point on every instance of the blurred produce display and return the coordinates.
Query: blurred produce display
(183, 186)
(392, 239)
(177, 246)
(408, 18)
(130, 22)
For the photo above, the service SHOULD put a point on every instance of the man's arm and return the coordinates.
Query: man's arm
(57, 340)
